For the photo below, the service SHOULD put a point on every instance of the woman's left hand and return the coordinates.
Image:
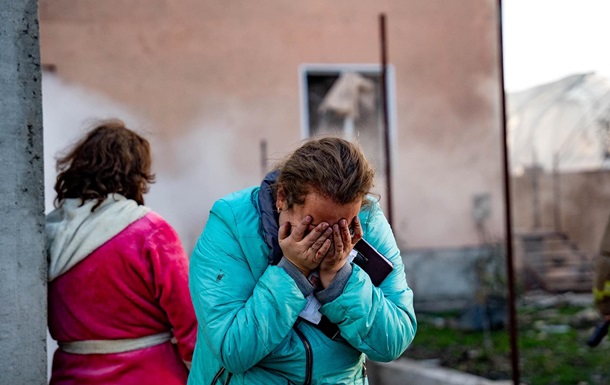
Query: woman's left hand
(343, 243)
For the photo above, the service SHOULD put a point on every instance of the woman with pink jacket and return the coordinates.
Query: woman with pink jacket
(119, 305)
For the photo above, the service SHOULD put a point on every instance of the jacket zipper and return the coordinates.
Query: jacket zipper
(218, 374)
(308, 355)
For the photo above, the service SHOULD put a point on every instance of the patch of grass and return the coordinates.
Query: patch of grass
(466, 351)
(552, 348)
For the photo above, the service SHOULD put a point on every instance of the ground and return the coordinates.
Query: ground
(552, 335)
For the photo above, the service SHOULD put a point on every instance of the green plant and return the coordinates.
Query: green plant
(552, 348)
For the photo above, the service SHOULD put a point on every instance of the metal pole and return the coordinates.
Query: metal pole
(386, 124)
(512, 313)
(556, 193)
(535, 176)
(263, 151)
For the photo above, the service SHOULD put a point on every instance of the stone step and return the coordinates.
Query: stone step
(578, 278)
(558, 264)
(568, 280)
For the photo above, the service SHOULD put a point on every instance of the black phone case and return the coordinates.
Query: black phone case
(372, 261)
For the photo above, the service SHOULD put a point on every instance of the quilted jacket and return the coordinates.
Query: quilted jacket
(249, 330)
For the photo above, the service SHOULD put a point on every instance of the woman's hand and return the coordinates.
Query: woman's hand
(305, 250)
(343, 242)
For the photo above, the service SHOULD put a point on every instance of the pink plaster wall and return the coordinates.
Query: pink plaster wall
(231, 67)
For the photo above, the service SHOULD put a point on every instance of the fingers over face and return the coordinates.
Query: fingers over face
(322, 250)
(321, 232)
(337, 237)
(298, 231)
(357, 235)
(341, 236)
(346, 237)
(284, 231)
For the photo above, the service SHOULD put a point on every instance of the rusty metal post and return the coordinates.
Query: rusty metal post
(512, 312)
(386, 120)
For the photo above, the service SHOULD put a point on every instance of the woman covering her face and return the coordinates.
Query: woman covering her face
(118, 275)
(276, 295)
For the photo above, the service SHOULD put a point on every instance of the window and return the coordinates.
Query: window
(346, 100)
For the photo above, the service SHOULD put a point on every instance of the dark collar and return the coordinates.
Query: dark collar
(269, 217)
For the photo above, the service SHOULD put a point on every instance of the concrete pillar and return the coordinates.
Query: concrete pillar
(23, 309)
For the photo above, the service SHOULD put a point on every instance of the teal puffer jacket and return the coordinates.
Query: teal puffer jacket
(249, 328)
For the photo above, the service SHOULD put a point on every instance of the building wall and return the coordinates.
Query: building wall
(208, 80)
(575, 203)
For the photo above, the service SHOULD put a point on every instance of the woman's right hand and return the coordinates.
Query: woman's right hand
(302, 249)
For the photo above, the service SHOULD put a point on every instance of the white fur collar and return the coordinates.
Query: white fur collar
(74, 232)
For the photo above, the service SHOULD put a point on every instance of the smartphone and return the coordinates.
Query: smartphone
(372, 261)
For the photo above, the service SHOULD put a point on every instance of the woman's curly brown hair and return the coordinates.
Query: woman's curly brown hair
(109, 159)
